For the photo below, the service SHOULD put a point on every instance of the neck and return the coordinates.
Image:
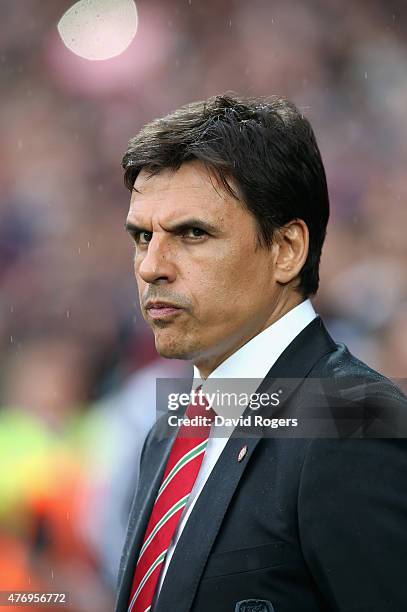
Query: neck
(206, 365)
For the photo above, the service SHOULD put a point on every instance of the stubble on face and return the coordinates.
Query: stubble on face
(222, 283)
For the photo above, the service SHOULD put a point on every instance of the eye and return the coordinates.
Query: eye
(142, 238)
(194, 232)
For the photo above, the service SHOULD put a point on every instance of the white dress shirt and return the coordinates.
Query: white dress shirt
(253, 360)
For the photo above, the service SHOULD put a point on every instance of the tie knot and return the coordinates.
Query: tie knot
(199, 406)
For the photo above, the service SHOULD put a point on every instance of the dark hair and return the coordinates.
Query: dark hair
(268, 149)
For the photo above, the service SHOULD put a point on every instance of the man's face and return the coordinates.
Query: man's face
(205, 288)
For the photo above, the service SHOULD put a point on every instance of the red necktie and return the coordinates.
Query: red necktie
(179, 477)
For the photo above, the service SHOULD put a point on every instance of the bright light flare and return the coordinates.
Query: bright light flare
(99, 29)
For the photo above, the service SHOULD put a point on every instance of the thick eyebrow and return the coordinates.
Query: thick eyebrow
(177, 228)
(132, 228)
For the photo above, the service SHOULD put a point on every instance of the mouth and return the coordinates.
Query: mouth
(162, 310)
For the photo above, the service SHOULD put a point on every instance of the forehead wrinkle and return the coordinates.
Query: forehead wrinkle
(192, 176)
(172, 210)
(175, 195)
(173, 223)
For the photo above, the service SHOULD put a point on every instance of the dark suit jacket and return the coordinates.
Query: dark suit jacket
(309, 524)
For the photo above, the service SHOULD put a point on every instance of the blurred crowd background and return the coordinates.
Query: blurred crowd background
(78, 366)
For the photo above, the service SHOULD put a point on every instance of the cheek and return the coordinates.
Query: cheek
(239, 280)
(141, 285)
(136, 265)
(219, 287)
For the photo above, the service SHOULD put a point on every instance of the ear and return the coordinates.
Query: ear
(291, 243)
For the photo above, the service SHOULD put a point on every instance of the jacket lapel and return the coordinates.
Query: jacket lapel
(140, 514)
(189, 560)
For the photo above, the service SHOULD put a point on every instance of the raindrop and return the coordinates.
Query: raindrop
(11, 339)
(68, 313)
(365, 75)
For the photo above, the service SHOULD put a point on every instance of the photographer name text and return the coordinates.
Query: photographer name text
(250, 420)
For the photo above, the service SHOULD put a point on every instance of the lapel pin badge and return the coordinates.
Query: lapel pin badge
(242, 454)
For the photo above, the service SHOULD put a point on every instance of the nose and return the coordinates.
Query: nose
(156, 265)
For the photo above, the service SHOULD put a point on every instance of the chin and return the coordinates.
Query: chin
(169, 350)
(173, 348)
